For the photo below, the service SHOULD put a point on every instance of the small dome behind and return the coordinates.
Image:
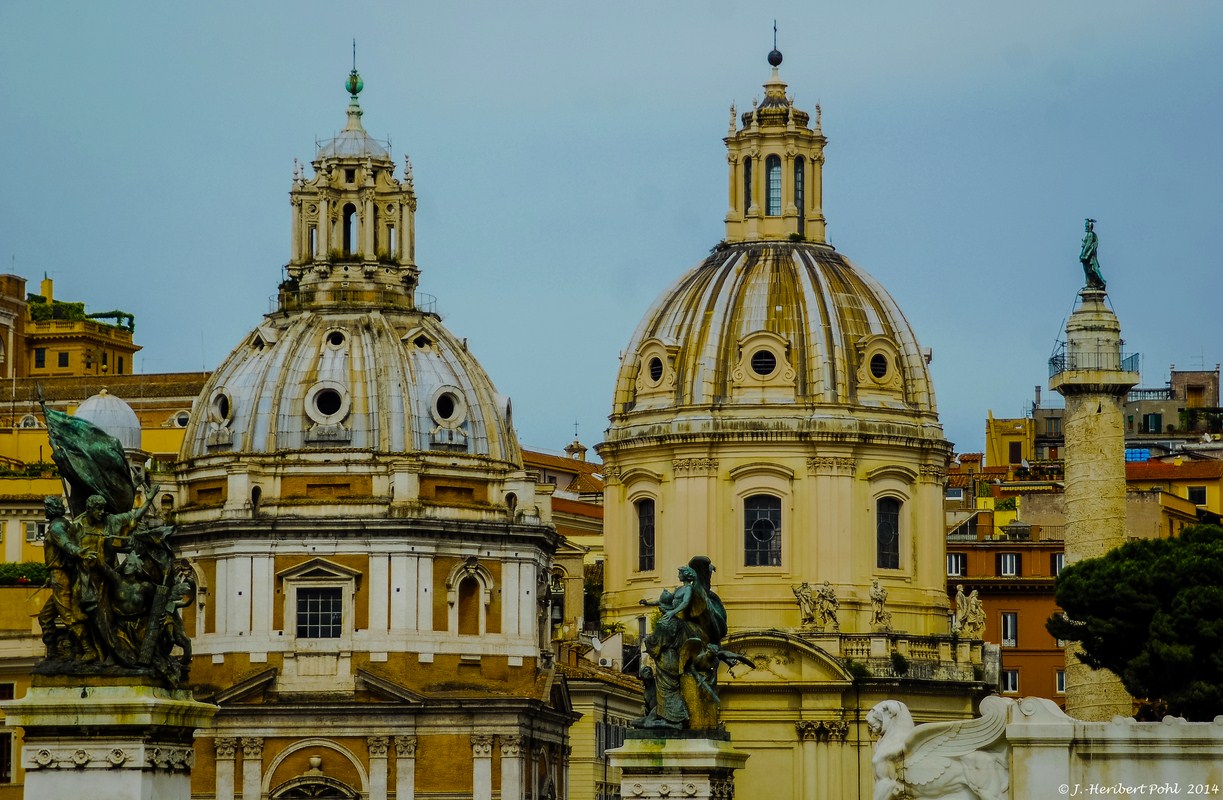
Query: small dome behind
(114, 416)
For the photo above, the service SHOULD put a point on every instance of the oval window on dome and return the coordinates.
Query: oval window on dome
(879, 366)
(336, 338)
(764, 362)
(220, 407)
(656, 369)
(181, 419)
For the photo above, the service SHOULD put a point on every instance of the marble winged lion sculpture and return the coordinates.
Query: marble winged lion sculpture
(964, 760)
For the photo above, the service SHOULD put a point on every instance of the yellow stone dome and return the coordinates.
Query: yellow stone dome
(767, 330)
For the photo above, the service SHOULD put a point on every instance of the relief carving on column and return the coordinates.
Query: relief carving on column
(252, 746)
(511, 746)
(932, 473)
(378, 746)
(226, 747)
(405, 746)
(482, 746)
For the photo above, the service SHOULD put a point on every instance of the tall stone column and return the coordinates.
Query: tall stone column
(226, 747)
(482, 767)
(252, 767)
(405, 768)
(511, 768)
(807, 732)
(1094, 378)
(378, 746)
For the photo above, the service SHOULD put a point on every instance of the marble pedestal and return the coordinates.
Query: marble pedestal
(684, 765)
(120, 740)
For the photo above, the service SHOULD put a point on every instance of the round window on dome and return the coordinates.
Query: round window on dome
(879, 366)
(656, 369)
(445, 405)
(335, 338)
(764, 362)
(181, 419)
(328, 402)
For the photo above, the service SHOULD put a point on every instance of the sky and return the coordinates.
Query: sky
(569, 167)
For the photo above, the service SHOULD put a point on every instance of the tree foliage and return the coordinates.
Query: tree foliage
(1152, 612)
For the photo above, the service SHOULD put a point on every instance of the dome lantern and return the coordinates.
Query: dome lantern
(775, 169)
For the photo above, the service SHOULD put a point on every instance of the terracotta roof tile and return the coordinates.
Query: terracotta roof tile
(1160, 471)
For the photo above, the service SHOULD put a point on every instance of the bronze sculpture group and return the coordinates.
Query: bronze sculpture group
(117, 589)
(686, 649)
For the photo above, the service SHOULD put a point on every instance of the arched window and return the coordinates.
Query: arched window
(645, 535)
(350, 228)
(887, 533)
(762, 531)
(772, 168)
(469, 607)
(747, 184)
(799, 194)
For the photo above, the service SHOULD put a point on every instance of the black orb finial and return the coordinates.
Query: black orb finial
(775, 54)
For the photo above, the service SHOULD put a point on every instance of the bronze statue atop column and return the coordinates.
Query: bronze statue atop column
(1089, 256)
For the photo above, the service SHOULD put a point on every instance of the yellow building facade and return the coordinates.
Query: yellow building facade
(774, 411)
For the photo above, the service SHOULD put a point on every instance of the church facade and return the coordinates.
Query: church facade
(774, 411)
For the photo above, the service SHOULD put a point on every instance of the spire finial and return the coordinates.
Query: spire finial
(774, 54)
(354, 85)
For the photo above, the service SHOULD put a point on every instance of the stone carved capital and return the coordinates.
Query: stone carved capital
(822, 730)
(831, 465)
(511, 746)
(378, 746)
(482, 746)
(932, 473)
(252, 746)
(226, 747)
(694, 467)
(405, 746)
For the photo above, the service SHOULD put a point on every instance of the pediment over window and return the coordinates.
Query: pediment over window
(319, 569)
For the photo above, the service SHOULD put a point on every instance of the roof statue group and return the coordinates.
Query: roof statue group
(685, 647)
(116, 587)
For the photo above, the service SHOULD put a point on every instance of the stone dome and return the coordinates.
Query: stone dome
(771, 329)
(114, 416)
(386, 381)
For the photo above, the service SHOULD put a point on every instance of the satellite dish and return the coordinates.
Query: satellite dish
(596, 644)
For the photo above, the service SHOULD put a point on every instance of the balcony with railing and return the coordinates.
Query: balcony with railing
(1139, 395)
(1101, 360)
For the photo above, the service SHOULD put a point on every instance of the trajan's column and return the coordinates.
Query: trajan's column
(1094, 376)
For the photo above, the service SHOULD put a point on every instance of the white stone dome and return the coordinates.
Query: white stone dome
(386, 382)
(765, 330)
(114, 416)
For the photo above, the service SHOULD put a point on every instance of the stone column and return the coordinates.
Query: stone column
(1094, 380)
(225, 747)
(405, 768)
(807, 732)
(323, 236)
(482, 767)
(511, 768)
(252, 767)
(378, 746)
(367, 227)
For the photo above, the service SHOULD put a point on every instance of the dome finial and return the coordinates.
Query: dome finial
(354, 85)
(774, 54)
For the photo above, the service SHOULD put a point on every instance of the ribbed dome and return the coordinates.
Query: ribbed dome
(393, 382)
(114, 416)
(760, 328)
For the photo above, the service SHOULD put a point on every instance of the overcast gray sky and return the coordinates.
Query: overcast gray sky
(569, 166)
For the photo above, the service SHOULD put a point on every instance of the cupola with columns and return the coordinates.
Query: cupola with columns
(353, 223)
(776, 168)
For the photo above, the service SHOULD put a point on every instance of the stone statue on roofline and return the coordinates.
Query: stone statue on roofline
(116, 587)
(685, 649)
